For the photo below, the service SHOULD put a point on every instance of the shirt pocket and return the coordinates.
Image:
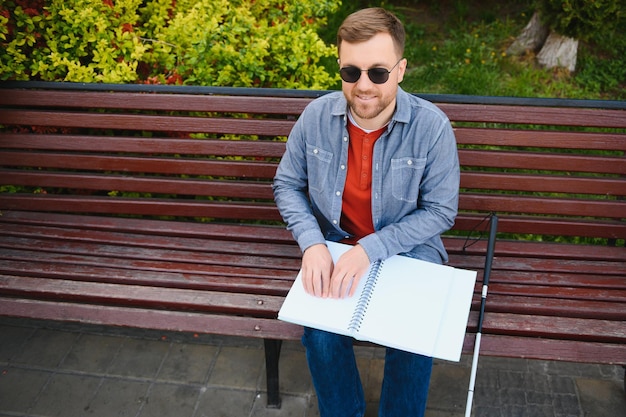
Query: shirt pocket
(318, 167)
(406, 175)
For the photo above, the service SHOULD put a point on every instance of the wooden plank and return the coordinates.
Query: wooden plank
(133, 164)
(151, 101)
(535, 183)
(176, 321)
(542, 225)
(214, 277)
(152, 145)
(105, 294)
(595, 309)
(142, 258)
(520, 248)
(141, 184)
(195, 244)
(485, 113)
(542, 205)
(150, 207)
(548, 349)
(221, 231)
(542, 161)
(540, 139)
(151, 123)
(562, 328)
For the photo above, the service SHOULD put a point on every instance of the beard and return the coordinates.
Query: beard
(371, 108)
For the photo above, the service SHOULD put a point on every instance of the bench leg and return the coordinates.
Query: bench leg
(272, 353)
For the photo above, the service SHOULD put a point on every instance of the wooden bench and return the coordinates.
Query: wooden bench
(151, 207)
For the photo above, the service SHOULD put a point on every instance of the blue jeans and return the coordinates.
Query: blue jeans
(338, 385)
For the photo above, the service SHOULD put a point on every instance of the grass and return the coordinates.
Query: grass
(459, 47)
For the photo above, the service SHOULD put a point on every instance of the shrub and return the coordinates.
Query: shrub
(252, 43)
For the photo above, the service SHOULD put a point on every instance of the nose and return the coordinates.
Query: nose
(364, 81)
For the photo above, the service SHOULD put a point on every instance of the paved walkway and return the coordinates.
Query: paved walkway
(52, 369)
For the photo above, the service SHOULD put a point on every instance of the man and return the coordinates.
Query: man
(377, 168)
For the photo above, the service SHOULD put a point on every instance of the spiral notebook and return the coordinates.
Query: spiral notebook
(401, 302)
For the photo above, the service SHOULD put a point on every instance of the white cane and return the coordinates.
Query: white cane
(493, 225)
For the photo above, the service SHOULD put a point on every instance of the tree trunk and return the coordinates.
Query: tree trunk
(559, 51)
(531, 39)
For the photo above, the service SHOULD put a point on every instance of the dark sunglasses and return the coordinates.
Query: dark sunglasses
(377, 75)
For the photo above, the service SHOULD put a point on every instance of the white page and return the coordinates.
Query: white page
(453, 327)
(330, 314)
(432, 302)
(408, 306)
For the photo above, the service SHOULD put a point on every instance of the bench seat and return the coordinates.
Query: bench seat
(151, 207)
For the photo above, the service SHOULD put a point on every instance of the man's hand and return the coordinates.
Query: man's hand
(317, 268)
(348, 271)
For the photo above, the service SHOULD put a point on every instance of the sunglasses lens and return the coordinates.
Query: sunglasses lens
(350, 74)
(378, 75)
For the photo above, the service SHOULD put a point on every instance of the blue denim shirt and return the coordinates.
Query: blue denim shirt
(415, 178)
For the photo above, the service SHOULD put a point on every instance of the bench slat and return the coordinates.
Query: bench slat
(563, 328)
(540, 139)
(216, 277)
(149, 207)
(185, 124)
(601, 310)
(196, 244)
(155, 185)
(534, 115)
(142, 101)
(548, 349)
(141, 296)
(606, 186)
(176, 321)
(237, 232)
(542, 205)
(180, 166)
(153, 145)
(541, 161)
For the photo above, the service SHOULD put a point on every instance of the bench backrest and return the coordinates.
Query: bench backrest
(554, 172)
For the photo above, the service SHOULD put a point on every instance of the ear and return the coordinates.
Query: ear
(402, 69)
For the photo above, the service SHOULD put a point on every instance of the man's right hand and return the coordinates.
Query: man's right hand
(317, 268)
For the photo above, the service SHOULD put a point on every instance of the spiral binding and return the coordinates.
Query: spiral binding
(366, 296)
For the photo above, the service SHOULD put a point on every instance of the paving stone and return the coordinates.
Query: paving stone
(139, 358)
(294, 375)
(13, 338)
(92, 353)
(19, 388)
(238, 368)
(170, 400)
(291, 406)
(601, 398)
(66, 395)
(37, 351)
(118, 398)
(189, 363)
(225, 402)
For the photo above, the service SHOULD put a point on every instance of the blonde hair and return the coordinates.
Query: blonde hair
(364, 24)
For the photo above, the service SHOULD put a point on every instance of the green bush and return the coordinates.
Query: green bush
(582, 19)
(252, 43)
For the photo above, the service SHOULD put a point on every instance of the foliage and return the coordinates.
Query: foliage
(252, 43)
(583, 19)
(263, 43)
(78, 40)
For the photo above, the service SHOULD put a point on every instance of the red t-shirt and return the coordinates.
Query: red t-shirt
(356, 214)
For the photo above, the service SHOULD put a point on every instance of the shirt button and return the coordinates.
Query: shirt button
(410, 162)
(343, 167)
(316, 151)
(345, 138)
(338, 193)
(335, 222)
